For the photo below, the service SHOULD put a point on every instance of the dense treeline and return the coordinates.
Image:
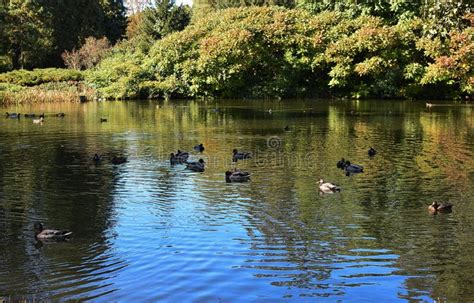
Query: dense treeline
(34, 33)
(247, 48)
(278, 52)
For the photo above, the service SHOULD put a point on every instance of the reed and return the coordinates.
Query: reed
(39, 94)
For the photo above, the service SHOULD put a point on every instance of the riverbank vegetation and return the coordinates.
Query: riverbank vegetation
(254, 49)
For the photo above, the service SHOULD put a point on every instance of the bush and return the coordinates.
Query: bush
(276, 52)
(38, 76)
(90, 53)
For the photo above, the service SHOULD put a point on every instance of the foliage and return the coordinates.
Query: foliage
(34, 33)
(453, 61)
(118, 75)
(39, 76)
(24, 32)
(276, 52)
(88, 55)
(156, 22)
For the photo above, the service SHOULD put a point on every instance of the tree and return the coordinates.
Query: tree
(25, 32)
(156, 22)
(73, 21)
(88, 55)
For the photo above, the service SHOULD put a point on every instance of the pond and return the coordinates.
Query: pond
(149, 231)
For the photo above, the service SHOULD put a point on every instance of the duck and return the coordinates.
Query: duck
(199, 147)
(37, 121)
(13, 115)
(182, 156)
(30, 115)
(61, 115)
(118, 160)
(328, 188)
(236, 176)
(102, 120)
(371, 152)
(440, 207)
(236, 155)
(196, 166)
(51, 234)
(96, 159)
(352, 168)
(175, 159)
(341, 163)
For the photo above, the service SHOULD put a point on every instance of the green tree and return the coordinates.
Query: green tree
(73, 21)
(25, 32)
(156, 22)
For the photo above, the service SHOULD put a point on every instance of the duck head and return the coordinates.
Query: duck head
(321, 181)
(38, 226)
(348, 163)
(235, 151)
(201, 161)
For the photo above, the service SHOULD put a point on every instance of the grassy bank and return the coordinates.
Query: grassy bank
(43, 86)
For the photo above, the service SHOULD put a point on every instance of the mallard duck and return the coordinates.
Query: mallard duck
(327, 187)
(196, 166)
(440, 207)
(13, 115)
(96, 159)
(371, 152)
(236, 155)
(199, 147)
(352, 168)
(236, 176)
(182, 156)
(341, 163)
(37, 121)
(116, 160)
(102, 120)
(51, 234)
(175, 159)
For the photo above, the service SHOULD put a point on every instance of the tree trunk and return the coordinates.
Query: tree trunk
(16, 57)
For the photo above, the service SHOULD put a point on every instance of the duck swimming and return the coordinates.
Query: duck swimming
(13, 115)
(175, 159)
(102, 120)
(327, 187)
(196, 166)
(352, 168)
(440, 207)
(96, 159)
(38, 121)
(199, 147)
(236, 176)
(371, 152)
(236, 155)
(116, 160)
(182, 156)
(51, 234)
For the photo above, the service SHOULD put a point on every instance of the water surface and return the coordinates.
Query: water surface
(147, 231)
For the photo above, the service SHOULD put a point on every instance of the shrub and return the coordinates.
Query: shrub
(38, 76)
